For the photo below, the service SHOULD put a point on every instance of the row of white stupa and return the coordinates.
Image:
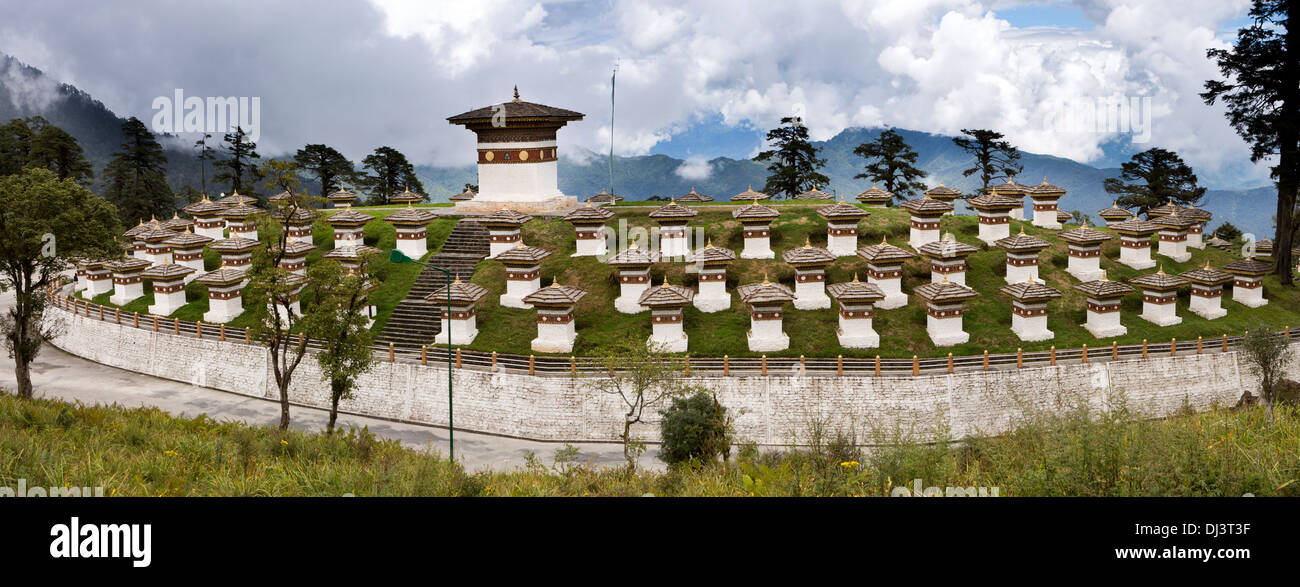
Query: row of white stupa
(945, 295)
(170, 253)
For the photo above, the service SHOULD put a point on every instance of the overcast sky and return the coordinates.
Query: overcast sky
(695, 77)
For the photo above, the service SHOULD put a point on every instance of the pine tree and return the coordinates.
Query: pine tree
(1154, 178)
(15, 146)
(794, 163)
(328, 165)
(1261, 89)
(205, 155)
(891, 162)
(239, 168)
(994, 158)
(390, 173)
(54, 149)
(136, 176)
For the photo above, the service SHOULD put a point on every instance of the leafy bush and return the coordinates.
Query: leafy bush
(694, 429)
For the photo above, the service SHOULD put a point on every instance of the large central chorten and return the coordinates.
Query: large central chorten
(517, 156)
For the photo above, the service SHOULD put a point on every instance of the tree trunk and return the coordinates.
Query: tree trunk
(627, 445)
(23, 374)
(1288, 176)
(334, 414)
(284, 405)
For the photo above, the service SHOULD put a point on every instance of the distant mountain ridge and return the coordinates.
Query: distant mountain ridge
(26, 91)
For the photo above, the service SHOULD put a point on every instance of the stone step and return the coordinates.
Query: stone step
(414, 322)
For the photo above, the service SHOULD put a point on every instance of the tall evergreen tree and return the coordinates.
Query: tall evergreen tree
(239, 168)
(205, 155)
(1153, 178)
(16, 138)
(328, 165)
(1261, 89)
(891, 162)
(390, 173)
(794, 163)
(994, 158)
(136, 176)
(54, 149)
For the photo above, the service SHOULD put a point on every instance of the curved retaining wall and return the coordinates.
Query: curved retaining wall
(767, 409)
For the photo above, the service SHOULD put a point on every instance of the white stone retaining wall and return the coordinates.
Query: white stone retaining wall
(768, 410)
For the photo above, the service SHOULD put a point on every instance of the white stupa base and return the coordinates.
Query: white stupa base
(414, 248)
(1031, 329)
(673, 248)
(1161, 316)
(1177, 253)
(554, 338)
(510, 301)
(98, 287)
(991, 233)
(1194, 241)
(216, 233)
(1017, 213)
(1105, 325)
(483, 204)
(946, 338)
(628, 304)
(1136, 258)
(842, 245)
(858, 340)
(892, 300)
(165, 304)
(517, 290)
(1084, 273)
(768, 343)
(668, 344)
(811, 295)
(712, 303)
(1046, 220)
(1022, 274)
(294, 309)
(124, 296)
(462, 332)
(758, 248)
(919, 238)
(223, 311)
(590, 248)
(1208, 308)
(1251, 298)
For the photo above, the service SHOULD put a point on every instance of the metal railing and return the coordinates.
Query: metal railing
(550, 365)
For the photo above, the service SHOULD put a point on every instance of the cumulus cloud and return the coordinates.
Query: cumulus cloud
(695, 168)
(387, 72)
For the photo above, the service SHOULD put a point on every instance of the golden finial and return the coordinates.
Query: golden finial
(457, 281)
(671, 200)
(516, 92)
(941, 183)
(883, 242)
(873, 185)
(807, 242)
(665, 283)
(588, 203)
(692, 189)
(153, 219)
(945, 279)
(1103, 276)
(1022, 229)
(141, 222)
(1044, 180)
(855, 277)
(1029, 279)
(632, 246)
(555, 281)
(602, 191)
(709, 243)
(409, 206)
(1207, 264)
(1161, 269)
(765, 277)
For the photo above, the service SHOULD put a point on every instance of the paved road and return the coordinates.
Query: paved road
(59, 375)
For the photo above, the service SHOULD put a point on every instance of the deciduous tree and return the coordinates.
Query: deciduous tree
(47, 222)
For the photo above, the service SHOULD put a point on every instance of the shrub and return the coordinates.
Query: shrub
(693, 429)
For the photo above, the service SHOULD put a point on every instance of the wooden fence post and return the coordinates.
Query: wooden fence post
(839, 365)
(1020, 358)
(1199, 342)
(390, 352)
(457, 358)
(135, 319)
(176, 325)
(1173, 347)
(688, 365)
(1114, 350)
(494, 359)
(1225, 343)
(916, 366)
(101, 313)
(573, 366)
(424, 354)
(531, 364)
(949, 363)
(764, 364)
(1085, 353)
(223, 332)
(1144, 348)
(877, 365)
(802, 368)
(117, 315)
(1053, 355)
(198, 329)
(248, 337)
(155, 324)
(986, 359)
(726, 366)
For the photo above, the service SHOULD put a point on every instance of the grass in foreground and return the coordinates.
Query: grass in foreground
(145, 452)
